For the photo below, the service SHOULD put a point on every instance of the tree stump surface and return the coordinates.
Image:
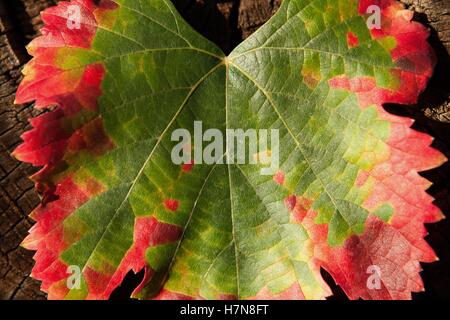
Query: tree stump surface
(226, 23)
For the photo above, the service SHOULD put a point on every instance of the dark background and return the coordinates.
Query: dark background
(226, 23)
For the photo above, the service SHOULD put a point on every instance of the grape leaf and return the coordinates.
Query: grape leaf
(347, 197)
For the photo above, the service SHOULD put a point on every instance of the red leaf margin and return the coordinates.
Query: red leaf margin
(396, 248)
(59, 134)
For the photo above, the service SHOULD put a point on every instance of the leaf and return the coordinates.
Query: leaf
(347, 198)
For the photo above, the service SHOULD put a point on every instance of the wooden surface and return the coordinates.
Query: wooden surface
(226, 23)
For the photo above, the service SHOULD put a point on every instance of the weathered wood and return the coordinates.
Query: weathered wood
(226, 23)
